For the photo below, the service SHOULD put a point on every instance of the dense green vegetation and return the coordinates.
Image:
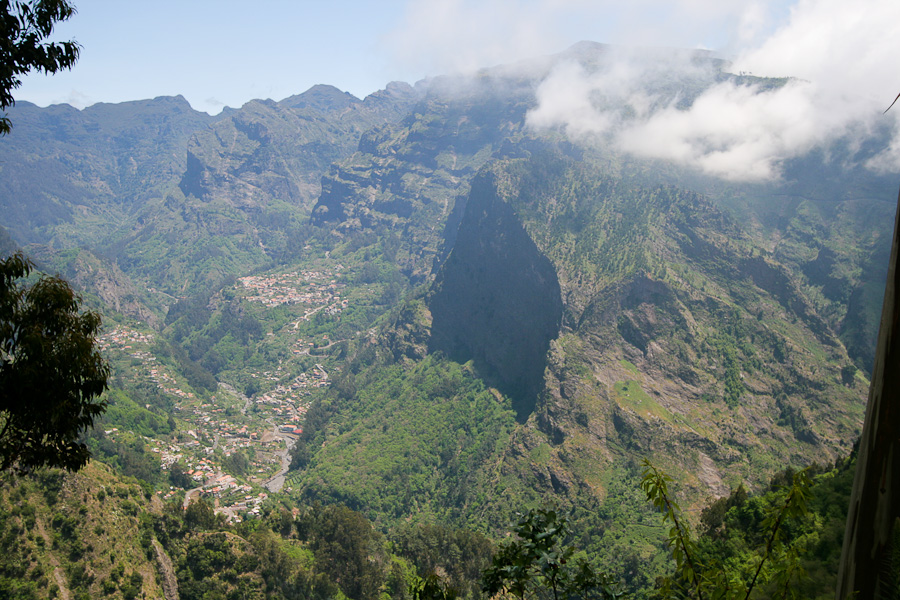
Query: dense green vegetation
(53, 521)
(422, 434)
(783, 542)
(539, 563)
(52, 374)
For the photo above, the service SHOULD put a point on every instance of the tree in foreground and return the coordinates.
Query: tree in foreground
(769, 570)
(539, 564)
(51, 372)
(24, 27)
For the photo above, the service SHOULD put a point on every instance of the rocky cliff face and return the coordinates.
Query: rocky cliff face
(68, 175)
(412, 177)
(650, 325)
(280, 150)
(98, 279)
(496, 300)
(681, 340)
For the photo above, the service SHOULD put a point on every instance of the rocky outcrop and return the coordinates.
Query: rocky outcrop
(166, 571)
(280, 150)
(497, 299)
(87, 272)
(661, 338)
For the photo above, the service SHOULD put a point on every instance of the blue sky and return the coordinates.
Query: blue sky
(215, 53)
(227, 52)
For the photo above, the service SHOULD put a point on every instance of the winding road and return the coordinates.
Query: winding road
(276, 481)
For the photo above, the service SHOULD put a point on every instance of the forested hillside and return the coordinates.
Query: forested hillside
(99, 534)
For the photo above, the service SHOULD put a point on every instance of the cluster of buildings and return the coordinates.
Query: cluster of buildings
(195, 457)
(292, 394)
(230, 498)
(303, 287)
(167, 383)
(127, 340)
(317, 378)
(210, 432)
(234, 507)
(122, 337)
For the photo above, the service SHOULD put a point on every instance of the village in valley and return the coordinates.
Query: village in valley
(317, 289)
(233, 445)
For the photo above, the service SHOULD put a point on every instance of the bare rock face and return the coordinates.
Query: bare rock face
(280, 150)
(407, 337)
(87, 272)
(497, 300)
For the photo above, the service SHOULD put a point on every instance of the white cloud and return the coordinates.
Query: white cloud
(752, 23)
(844, 51)
(77, 99)
(731, 131)
(437, 36)
(842, 46)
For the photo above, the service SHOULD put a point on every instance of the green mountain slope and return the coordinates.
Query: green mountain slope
(279, 150)
(72, 177)
(408, 179)
(178, 198)
(659, 329)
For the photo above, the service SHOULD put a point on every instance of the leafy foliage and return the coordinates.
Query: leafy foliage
(23, 28)
(773, 564)
(732, 527)
(348, 551)
(51, 371)
(420, 432)
(451, 560)
(540, 564)
(431, 588)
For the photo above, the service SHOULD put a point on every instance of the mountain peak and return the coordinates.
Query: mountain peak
(394, 91)
(321, 97)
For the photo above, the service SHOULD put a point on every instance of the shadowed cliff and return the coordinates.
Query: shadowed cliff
(497, 300)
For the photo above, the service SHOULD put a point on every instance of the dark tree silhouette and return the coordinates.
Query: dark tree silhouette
(24, 27)
(51, 371)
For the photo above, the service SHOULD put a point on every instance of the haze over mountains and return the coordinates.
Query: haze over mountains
(516, 284)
